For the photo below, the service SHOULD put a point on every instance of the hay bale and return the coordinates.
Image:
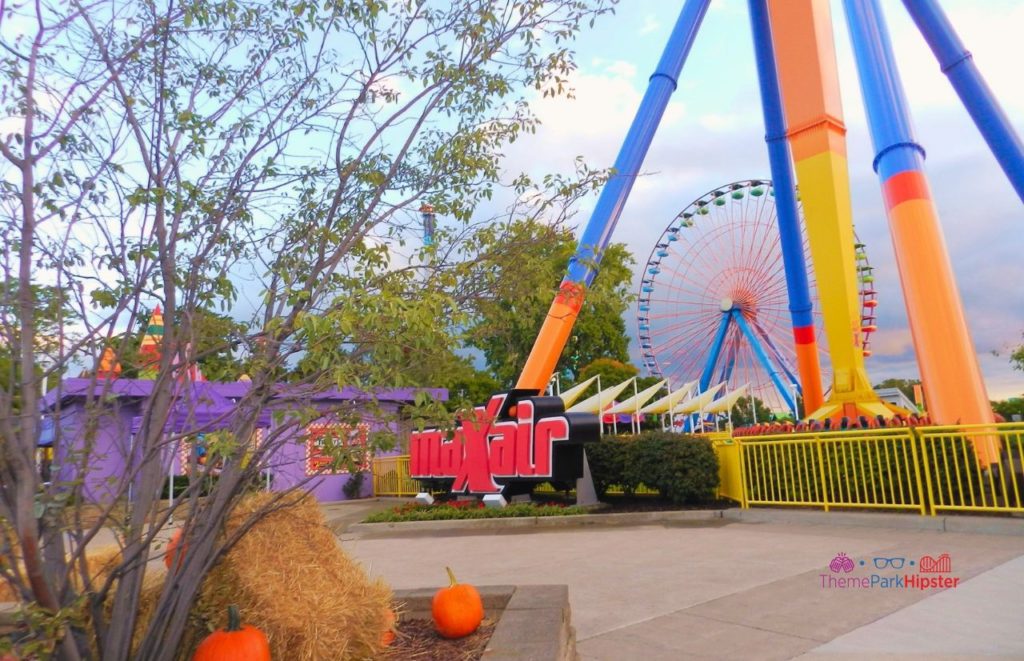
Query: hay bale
(99, 563)
(290, 578)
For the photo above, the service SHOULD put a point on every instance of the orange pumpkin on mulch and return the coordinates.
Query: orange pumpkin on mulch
(235, 643)
(457, 609)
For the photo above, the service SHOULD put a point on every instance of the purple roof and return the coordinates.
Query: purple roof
(218, 395)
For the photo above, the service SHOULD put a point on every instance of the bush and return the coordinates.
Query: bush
(354, 486)
(608, 459)
(468, 510)
(183, 482)
(684, 469)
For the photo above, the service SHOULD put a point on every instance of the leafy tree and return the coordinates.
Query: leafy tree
(612, 372)
(468, 387)
(53, 314)
(518, 273)
(175, 152)
(743, 414)
(1017, 358)
(211, 343)
(644, 382)
(1009, 407)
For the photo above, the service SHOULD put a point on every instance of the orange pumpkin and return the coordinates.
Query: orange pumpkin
(457, 609)
(388, 635)
(235, 643)
(174, 554)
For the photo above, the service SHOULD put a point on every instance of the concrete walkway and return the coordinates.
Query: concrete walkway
(739, 590)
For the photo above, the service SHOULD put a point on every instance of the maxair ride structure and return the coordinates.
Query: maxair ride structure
(806, 142)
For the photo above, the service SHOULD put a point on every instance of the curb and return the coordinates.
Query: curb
(531, 523)
(976, 525)
(534, 621)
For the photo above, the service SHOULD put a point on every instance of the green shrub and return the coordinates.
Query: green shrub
(684, 469)
(469, 510)
(608, 459)
(183, 482)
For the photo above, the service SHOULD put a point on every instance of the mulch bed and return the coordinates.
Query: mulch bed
(416, 640)
(615, 504)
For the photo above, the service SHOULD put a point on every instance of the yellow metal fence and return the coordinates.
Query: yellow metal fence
(923, 469)
(730, 482)
(391, 477)
(956, 481)
(876, 468)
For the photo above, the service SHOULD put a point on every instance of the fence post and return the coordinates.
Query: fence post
(921, 465)
(743, 475)
(821, 472)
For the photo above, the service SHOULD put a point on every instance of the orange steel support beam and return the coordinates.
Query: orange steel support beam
(942, 340)
(805, 54)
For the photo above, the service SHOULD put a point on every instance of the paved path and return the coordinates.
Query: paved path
(721, 590)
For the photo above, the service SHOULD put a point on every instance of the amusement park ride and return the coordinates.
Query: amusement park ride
(712, 305)
(803, 116)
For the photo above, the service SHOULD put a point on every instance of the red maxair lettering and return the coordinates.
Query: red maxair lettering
(475, 472)
(484, 448)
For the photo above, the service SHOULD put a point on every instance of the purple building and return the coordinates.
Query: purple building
(100, 419)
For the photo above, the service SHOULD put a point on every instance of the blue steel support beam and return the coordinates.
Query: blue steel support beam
(597, 234)
(716, 351)
(800, 306)
(557, 328)
(958, 65)
(765, 361)
(776, 354)
(728, 364)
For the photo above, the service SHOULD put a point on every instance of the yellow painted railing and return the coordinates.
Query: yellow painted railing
(957, 482)
(730, 471)
(391, 477)
(876, 468)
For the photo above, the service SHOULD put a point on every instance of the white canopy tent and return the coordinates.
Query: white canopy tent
(725, 404)
(698, 403)
(633, 404)
(570, 396)
(669, 401)
(597, 403)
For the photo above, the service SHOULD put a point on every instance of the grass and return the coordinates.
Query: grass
(470, 510)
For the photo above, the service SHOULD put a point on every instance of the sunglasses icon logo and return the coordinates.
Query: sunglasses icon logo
(895, 563)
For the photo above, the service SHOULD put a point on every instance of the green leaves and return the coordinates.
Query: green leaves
(519, 270)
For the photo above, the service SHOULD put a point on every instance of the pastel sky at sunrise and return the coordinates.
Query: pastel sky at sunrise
(713, 134)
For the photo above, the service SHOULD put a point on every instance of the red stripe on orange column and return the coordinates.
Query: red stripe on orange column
(907, 185)
(804, 334)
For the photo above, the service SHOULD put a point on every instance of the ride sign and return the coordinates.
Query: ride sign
(516, 440)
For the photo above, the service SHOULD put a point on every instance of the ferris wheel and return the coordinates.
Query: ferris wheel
(713, 304)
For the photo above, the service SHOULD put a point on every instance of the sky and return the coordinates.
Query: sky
(713, 134)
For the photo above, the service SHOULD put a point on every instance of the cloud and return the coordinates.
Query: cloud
(895, 342)
(651, 24)
(621, 69)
